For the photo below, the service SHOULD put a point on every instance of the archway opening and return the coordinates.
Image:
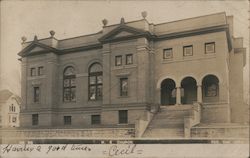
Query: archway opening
(168, 92)
(188, 90)
(210, 88)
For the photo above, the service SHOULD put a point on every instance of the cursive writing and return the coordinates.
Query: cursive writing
(114, 150)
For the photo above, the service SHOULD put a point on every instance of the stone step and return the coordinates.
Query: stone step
(170, 125)
(164, 133)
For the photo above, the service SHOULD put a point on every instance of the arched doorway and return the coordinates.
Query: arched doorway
(188, 90)
(168, 92)
(210, 88)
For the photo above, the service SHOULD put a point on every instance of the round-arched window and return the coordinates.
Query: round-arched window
(95, 82)
(69, 84)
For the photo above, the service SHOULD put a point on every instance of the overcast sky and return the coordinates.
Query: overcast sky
(75, 18)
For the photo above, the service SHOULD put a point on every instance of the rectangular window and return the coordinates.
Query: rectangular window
(67, 120)
(129, 59)
(95, 119)
(40, 71)
(123, 116)
(33, 71)
(14, 119)
(34, 119)
(210, 47)
(36, 94)
(123, 86)
(118, 60)
(188, 50)
(168, 53)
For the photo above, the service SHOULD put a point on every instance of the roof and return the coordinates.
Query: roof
(6, 94)
(129, 30)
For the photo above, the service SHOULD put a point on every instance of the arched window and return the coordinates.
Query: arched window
(69, 84)
(210, 85)
(95, 82)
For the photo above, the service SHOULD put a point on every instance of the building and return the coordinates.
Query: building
(175, 79)
(9, 109)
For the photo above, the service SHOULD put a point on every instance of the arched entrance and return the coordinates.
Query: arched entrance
(188, 90)
(210, 88)
(168, 92)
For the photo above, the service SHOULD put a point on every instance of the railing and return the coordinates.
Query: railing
(142, 123)
(193, 119)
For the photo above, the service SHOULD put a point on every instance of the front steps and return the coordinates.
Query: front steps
(168, 122)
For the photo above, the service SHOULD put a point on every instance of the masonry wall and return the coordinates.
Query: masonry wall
(197, 66)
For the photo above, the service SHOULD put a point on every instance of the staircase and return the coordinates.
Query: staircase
(168, 122)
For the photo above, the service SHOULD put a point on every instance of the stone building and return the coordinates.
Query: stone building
(9, 109)
(173, 79)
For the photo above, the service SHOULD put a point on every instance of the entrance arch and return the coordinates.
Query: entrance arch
(210, 88)
(168, 92)
(188, 90)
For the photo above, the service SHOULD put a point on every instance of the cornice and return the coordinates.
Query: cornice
(137, 34)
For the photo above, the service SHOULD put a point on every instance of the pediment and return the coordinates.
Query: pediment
(36, 48)
(123, 34)
(123, 31)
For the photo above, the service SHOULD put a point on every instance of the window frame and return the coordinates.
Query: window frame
(129, 55)
(208, 43)
(185, 47)
(96, 85)
(171, 55)
(95, 121)
(67, 120)
(35, 119)
(36, 96)
(116, 60)
(71, 87)
(39, 70)
(206, 90)
(122, 94)
(32, 71)
(123, 116)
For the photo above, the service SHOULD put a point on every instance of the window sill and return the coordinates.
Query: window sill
(124, 67)
(121, 97)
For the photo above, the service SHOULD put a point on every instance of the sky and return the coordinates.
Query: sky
(75, 18)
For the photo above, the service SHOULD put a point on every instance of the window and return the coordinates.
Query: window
(123, 86)
(69, 85)
(67, 120)
(33, 72)
(123, 116)
(40, 70)
(210, 47)
(210, 86)
(95, 82)
(13, 119)
(12, 108)
(34, 119)
(95, 119)
(129, 59)
(211, 90)
(36, 94)
(188, 50)
(168, 53)
(118, 60)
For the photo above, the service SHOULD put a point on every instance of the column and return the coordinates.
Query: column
(178, 95)
(199, 93)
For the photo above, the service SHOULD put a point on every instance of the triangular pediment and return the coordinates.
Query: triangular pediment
(123, 34)
(36, 48)
(123, 31)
